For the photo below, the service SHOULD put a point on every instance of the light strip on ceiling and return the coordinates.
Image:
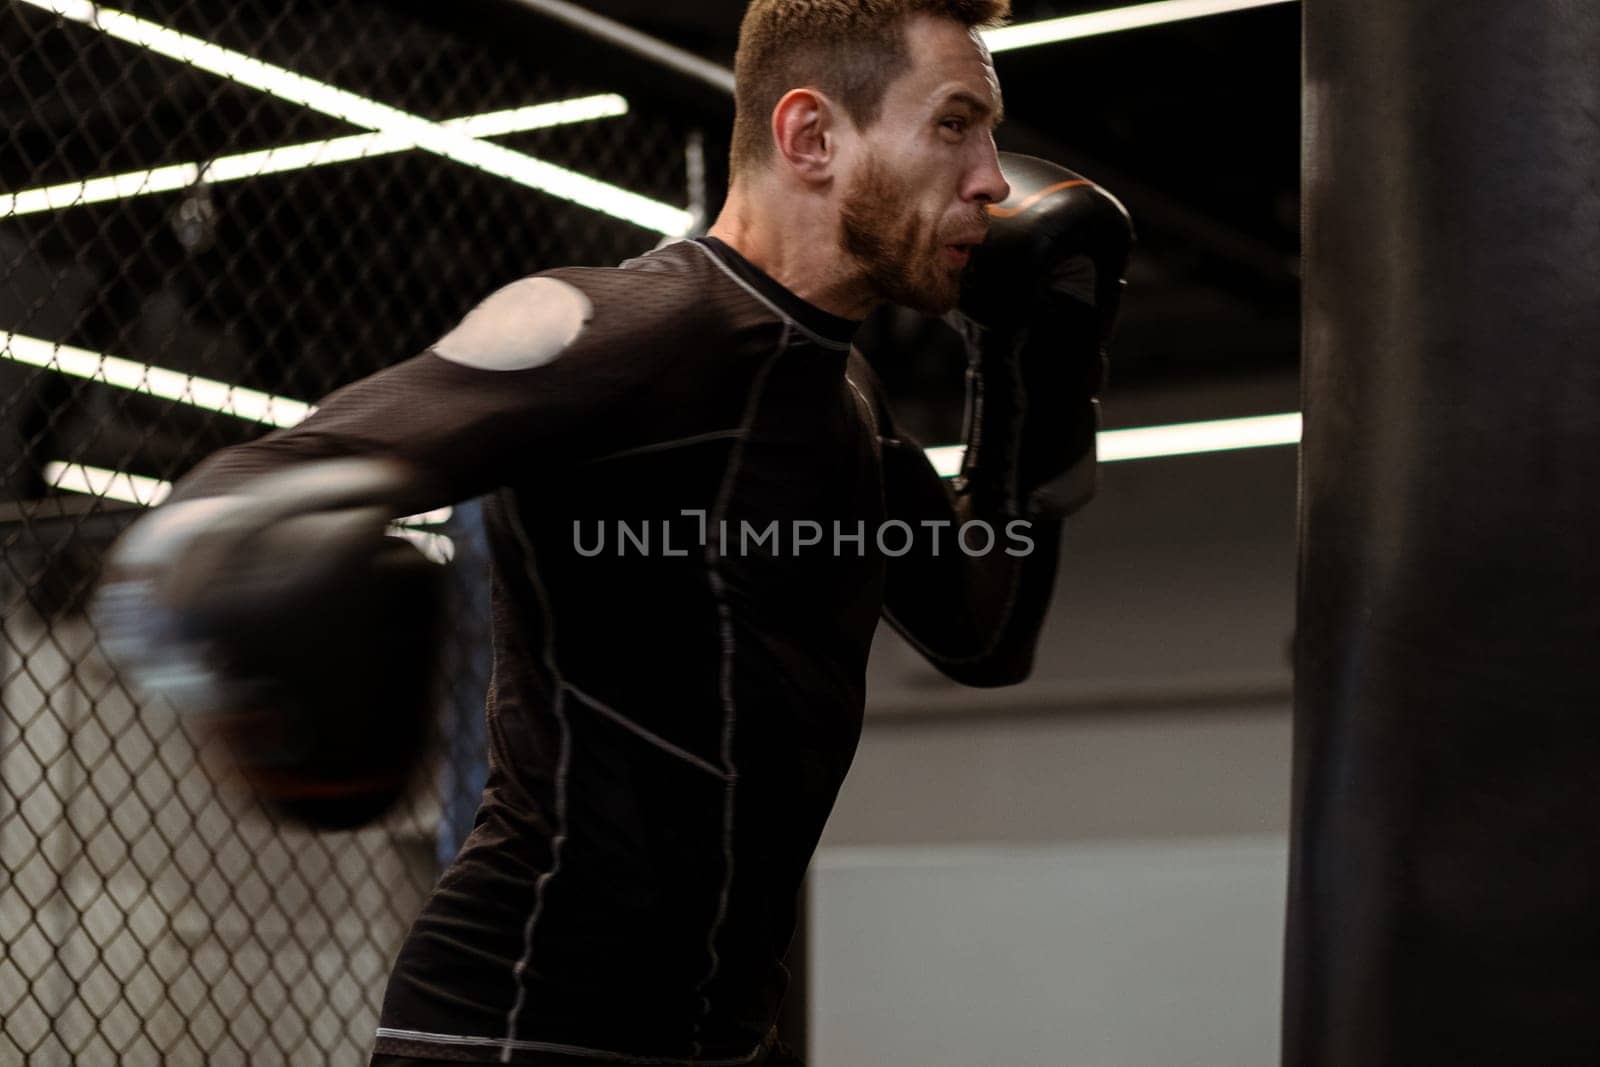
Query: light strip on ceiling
(436, 517)
(1193, 438)
(111, 485)
(298, 156)
(1111, 20)
(946, 459)
(191, 389)
(98, 190)
(412, 131)
(1155, 442)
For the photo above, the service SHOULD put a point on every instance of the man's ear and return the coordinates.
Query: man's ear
(805, 131)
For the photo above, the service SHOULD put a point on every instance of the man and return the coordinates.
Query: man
(670, 722)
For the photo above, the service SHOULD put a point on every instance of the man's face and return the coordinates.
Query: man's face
(912, 206)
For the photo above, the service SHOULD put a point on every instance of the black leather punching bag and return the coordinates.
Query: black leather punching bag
(1445, 884)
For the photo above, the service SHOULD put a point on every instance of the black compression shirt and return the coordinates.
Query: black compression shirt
(685, 502)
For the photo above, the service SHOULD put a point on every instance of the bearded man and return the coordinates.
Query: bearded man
(671, 720)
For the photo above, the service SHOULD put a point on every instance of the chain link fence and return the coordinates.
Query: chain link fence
(210, 215)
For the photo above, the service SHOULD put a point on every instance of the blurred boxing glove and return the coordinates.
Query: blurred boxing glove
(1038, 303)
(283, 617)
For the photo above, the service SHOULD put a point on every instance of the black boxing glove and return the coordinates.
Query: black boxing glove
(282, 617)
(1037, 307)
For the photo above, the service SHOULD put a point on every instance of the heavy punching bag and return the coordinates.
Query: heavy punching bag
(1445, 868)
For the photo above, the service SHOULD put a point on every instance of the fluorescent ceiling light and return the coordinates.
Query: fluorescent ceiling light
(1191, 438)
(1094, 23)
(1153, 442)
(410, 131)
(436, 517)
(95, 190)
(541, 116)
(155, 381)
(946, 459)
(112, 485)
(298, 156)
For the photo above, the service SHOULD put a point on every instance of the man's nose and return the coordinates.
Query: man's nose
(988, 183)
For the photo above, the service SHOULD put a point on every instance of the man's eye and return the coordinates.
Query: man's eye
(955, 125)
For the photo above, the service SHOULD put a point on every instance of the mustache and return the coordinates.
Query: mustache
(977, 224)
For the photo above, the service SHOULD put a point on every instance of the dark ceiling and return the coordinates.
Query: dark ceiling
(301, 280)
(1195, 125)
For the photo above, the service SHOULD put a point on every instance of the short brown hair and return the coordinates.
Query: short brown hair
(849, 49)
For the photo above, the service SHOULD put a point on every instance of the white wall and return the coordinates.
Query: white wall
(1133, 954)
(1087, 869)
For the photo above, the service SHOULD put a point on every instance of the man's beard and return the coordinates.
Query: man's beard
(894, 247)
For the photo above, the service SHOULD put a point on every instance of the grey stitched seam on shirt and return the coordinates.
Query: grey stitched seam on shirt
(654, 739)
(662, 446)
(564, 767)
(730, 708)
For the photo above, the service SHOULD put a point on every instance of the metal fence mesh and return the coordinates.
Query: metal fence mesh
(176, 214)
